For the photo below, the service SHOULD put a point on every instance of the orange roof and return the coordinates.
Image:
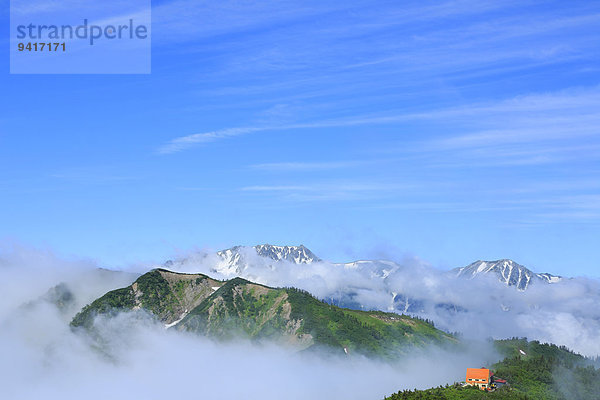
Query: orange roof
(478, 373)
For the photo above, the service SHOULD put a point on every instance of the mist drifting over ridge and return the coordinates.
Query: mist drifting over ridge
(44, 358)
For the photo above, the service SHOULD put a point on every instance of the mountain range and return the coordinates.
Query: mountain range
(250, 292)
(364, 284)
(234, 261)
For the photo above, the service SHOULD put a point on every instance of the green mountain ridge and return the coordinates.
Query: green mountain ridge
(166, 295)
(239, 308)
(543, 372)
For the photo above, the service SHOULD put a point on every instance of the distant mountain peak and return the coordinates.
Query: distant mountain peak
(508, 272)
(296, 254)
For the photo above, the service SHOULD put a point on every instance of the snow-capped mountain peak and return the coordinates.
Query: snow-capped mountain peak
(235, 260)
(294, 254)
(507, 271)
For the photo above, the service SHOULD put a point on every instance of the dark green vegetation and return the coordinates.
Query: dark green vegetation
(370, 332)
(457, 392)
(239, 308)
(546, 372)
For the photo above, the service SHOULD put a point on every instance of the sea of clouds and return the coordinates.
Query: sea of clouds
(133, 356)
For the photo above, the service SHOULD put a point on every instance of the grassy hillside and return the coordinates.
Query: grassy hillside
(239, 308)
(243, 308)
(545, 372)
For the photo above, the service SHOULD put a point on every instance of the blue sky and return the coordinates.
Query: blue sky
(451, 131)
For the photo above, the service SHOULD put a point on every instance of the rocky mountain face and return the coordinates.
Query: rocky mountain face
(239, 308)
(507, 271)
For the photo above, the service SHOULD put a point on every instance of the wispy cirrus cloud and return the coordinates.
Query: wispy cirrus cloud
(185, 142)
(308, 166)
(330, 191)
(277, 188)
(523, 119)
